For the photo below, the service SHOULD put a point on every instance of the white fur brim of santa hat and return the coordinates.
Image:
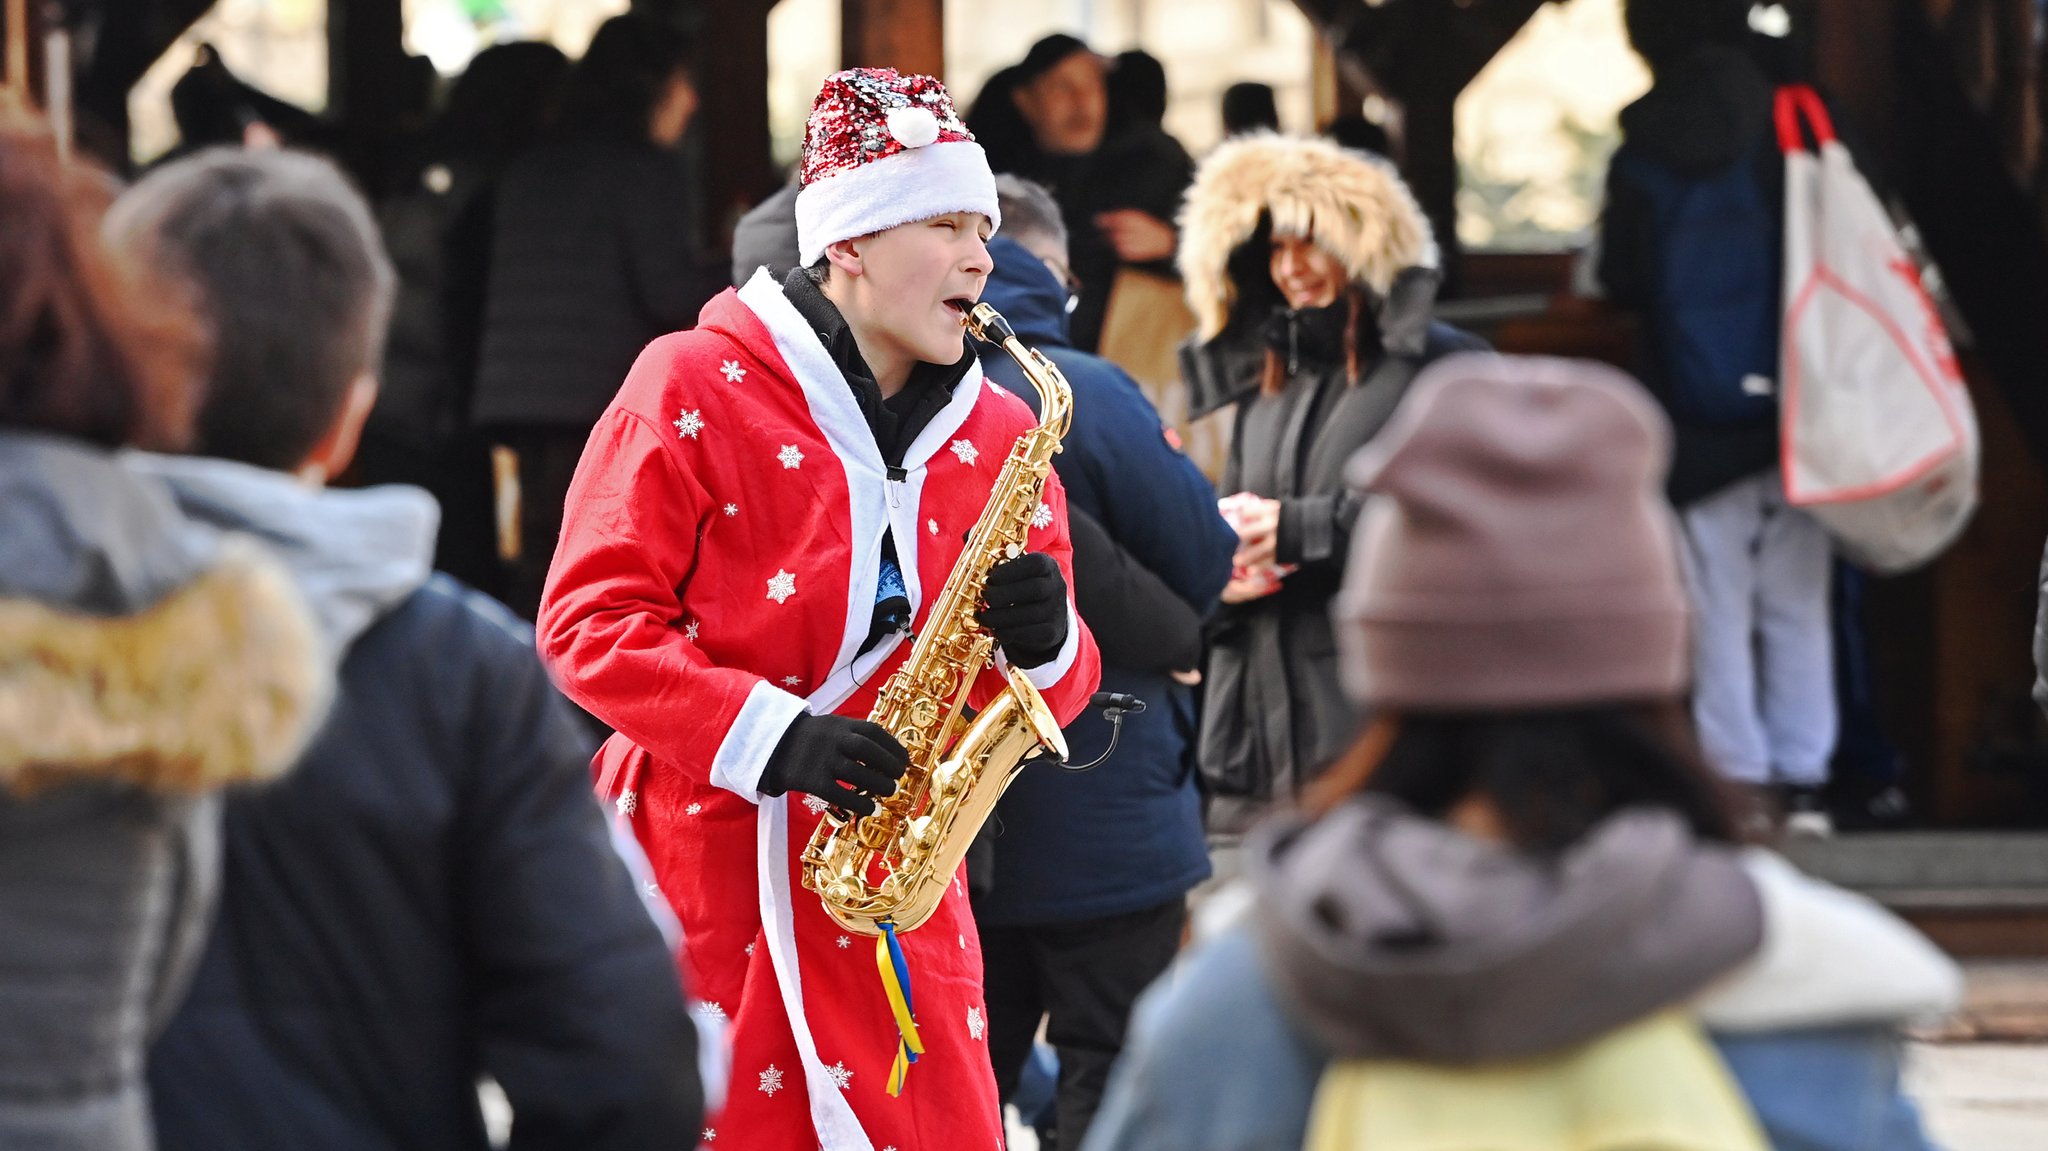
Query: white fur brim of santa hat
(914, 184)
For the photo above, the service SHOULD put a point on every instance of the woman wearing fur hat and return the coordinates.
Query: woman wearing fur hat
(1311, 271)
(144, 662)
(1516, 914)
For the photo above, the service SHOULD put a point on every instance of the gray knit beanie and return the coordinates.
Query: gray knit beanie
(1515, 550)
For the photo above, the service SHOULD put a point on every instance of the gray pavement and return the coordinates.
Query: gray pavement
(1982, 1096)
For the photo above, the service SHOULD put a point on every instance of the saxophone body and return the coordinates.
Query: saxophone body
(894, 866)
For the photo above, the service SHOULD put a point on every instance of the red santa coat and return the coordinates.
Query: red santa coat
(716, 575)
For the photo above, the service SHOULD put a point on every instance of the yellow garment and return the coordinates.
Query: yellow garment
(1655, 1085)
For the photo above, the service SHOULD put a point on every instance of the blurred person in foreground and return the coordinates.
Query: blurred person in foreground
(431, 896)
(1518, 914)
(146, 661)
(1085, 901)
(592, 256)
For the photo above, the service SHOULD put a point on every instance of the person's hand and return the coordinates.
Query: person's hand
(1188, 678)
(1138, 237)
(841, 760)
(1258, 532)
(1026, 608)
(1245, 588)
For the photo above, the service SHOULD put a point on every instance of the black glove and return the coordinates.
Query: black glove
(837, 758)
(1027, 608)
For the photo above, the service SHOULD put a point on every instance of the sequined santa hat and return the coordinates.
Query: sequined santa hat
(882, 149)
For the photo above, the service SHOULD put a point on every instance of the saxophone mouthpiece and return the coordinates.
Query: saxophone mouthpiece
(985, 323)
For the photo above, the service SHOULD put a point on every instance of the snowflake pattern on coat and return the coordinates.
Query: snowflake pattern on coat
(711, 1011)
(689, 424)
(966, 450)
(790, 456)
(628, 803)
(810, 628)
(733, 372)
(840, 1075)
(975, 1023)
(1042, 518)
(732, 509)
(782, 586)
(814, 805)
(771, 1080)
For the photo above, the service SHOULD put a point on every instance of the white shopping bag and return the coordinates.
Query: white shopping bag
(1880, 442)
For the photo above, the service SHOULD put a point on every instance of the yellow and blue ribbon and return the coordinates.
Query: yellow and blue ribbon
(896, 985)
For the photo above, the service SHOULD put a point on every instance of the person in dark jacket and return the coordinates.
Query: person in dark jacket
(1091, 869)
(592, 256)
(437, 230)
(1311, 271)
(1764, 695)
(1118, 191)
(432, 896)
(1249, 107)
(146, 662)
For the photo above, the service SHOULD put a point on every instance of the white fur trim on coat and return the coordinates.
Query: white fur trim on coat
(1054, 670)
(1829, 958)
(743, 754)
(914, 184)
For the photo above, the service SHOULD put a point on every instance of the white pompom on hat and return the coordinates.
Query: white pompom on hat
(883, 149)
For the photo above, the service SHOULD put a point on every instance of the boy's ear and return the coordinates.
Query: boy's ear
(845, 256)
(332, 455)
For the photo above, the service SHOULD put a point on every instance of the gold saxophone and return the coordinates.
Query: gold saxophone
(959, 763)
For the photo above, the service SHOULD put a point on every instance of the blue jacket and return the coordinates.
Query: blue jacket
(1214, 1064)
(1127, 835)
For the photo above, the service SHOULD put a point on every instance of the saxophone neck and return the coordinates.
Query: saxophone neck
(1055, 396)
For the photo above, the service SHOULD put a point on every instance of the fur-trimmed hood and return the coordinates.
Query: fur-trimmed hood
(1353, 205)
(136, 644)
